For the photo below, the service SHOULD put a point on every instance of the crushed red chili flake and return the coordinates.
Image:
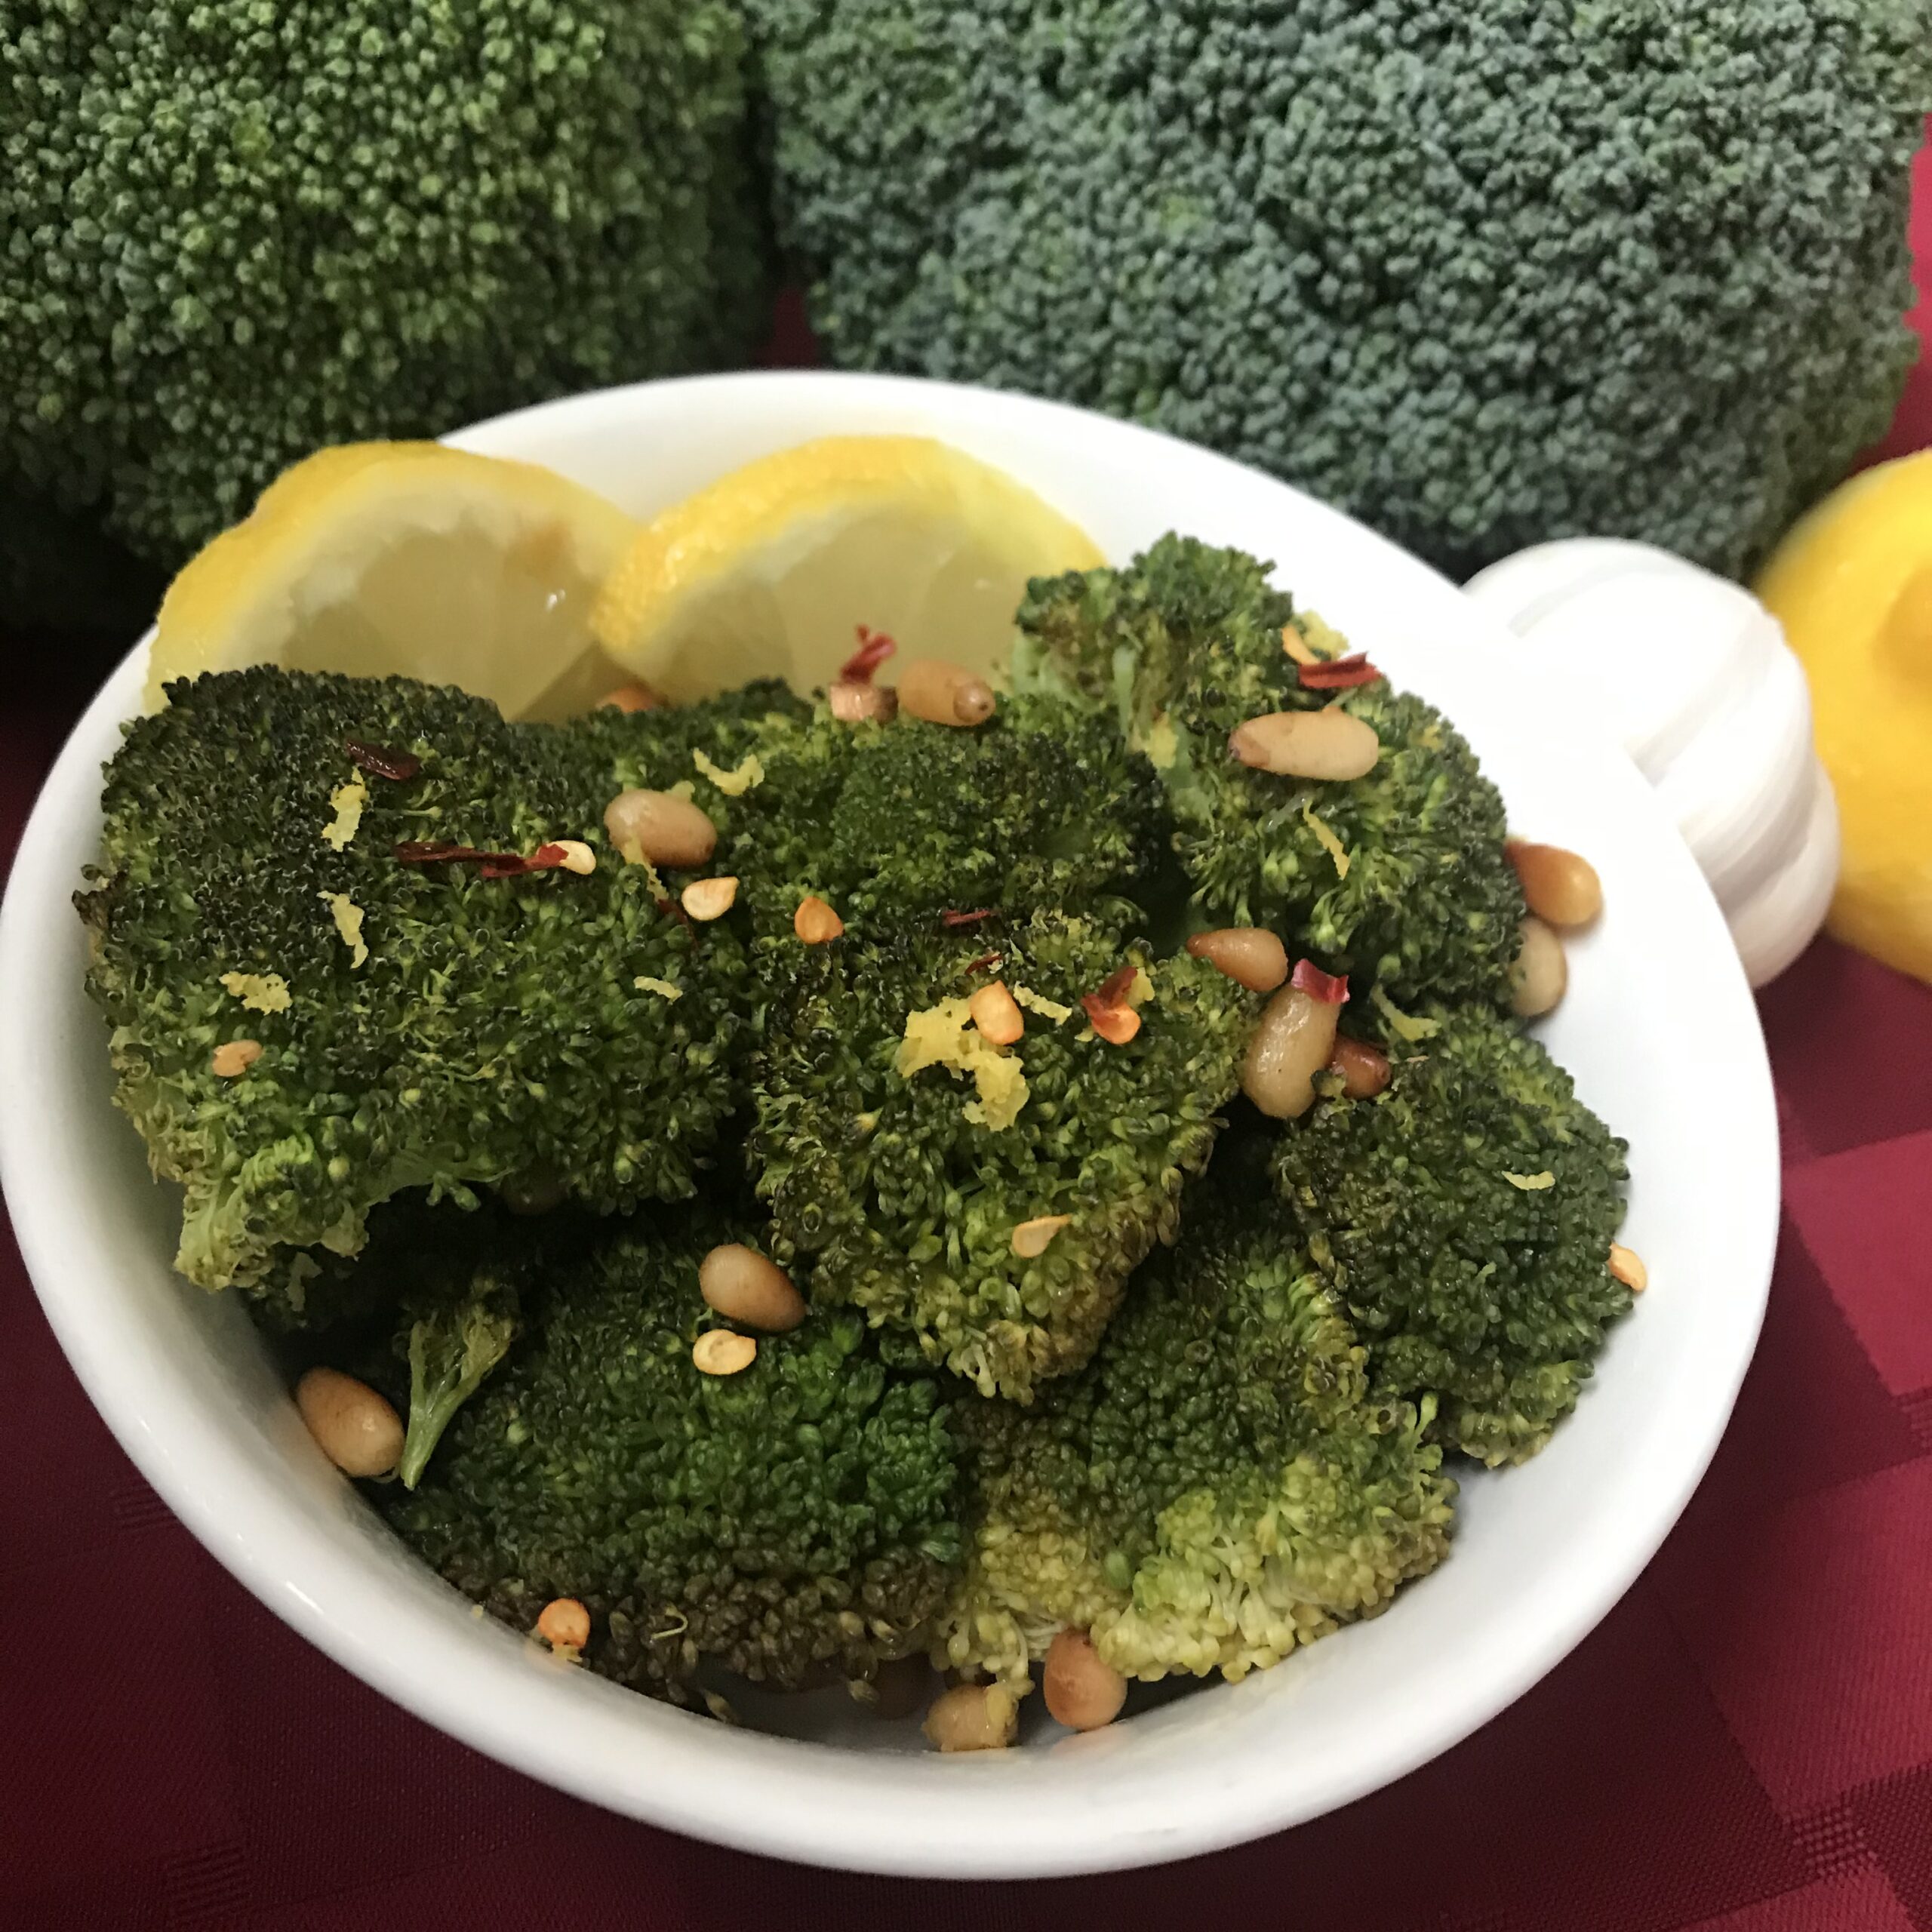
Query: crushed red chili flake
(1113, 991)
(951, 920)
(490, 865)
(1339, 674)
(985, 960)
(1331, 989)
(381, 760)
(875, 647)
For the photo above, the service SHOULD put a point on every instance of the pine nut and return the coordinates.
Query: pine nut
(1083, 1691)
(636, 696)
(354, 1427)
(815, 922)
(1290, 1047)
(973, 1717)
(856, 701)
(718, 1352)
(563, 1624)
(943, 693)
(707, 899)
(235, 1056)
(660, 827)
(1031, 1239)
(1562, 887)
(1249, 956)
(743, 1286)
(576, 857)
(997, 1014)
(1330, 745)
(1541, 974)
(1628, 1268)
(1364, 1068)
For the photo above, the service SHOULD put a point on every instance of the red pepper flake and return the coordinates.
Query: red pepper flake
(380, 760)
(1339, 674)
(1331, 989)
(1108, 1012)
(490, 865)
(951, 921)
(1114, 991)
(875, 647)
(984, 963)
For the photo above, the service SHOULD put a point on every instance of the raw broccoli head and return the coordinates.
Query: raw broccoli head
(798, 1515)
(1481, 272)
(1218, 1486)
(1185, 644)
(1464, 1218)
(899, 1151)
(239, 233)
(495, 1030)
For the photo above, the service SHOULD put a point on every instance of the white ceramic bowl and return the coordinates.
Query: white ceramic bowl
(1658, 1027)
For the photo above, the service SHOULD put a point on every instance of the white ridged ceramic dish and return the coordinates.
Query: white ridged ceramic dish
(1659, 1028)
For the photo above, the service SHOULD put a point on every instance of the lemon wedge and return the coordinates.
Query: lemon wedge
(410, 560)
(1852, 584)
(769, 571)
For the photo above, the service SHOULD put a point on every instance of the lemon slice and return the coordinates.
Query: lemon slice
(769, 571)
(407, 559)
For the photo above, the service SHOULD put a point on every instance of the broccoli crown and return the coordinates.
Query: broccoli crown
(798, 1515)
(901, 1185)
(420, 1025)
(1464, 1219)
(233, 233)
(1184, 645)
(1481, 272)
(1219, 1485)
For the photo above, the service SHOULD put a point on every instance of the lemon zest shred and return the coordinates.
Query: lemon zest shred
(347, 800)
(1408, 1026)
(1325, 839)
(664, 989)
(941, 1036)
(260, 993)
(736, 783)
(348, 916)
(1047, 1009)
(1294, 644)
(1531, 1183)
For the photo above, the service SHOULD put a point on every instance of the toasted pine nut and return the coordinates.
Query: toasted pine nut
(1250, 956)
(1032, 1238)
(563, 1624)
(856, 701)
(1541, 974)
(1562, 887)
(705, 899)
(1329, 744)
(815, 922)
(743, 1286)
(973, 1717)
(1364, 1068)
(943, 693)
(718, 1352)
(235, 1056)
(997, 1014)
(636, 696)
(354, 1427)
(1629, 1268)
(1290, 1047)
(577, 856)
(1083, 1691)
(661, 827)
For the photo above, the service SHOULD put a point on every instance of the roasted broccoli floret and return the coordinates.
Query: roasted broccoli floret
(307, 1020)
(1398, 877)
(901, 1151)
(799, 1515)
(1220, 1484)
(1481, 272)
(1464, 1219)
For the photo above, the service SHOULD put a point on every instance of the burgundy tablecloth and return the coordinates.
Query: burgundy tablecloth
(1745, 1745)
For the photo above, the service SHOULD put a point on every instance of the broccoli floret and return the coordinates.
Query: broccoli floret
(798, 1515)
(898, 1150)
(1464, 1218)
(1399, 877)
(1480, 271)
(232, 234)
(453, 1345)
(420, 1025)
(1219, 1485)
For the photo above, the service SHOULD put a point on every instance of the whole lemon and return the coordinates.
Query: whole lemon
(1852, 584)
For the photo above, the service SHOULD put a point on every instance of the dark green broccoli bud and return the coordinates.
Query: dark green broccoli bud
(1464, 1218)
(420, 1025)
(1218, 1486)
(1449, 264)
(233, 234)
(798, 1516)
(900, 1151)
(1183, 647)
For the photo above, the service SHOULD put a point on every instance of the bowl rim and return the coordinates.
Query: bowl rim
(304, 1580)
